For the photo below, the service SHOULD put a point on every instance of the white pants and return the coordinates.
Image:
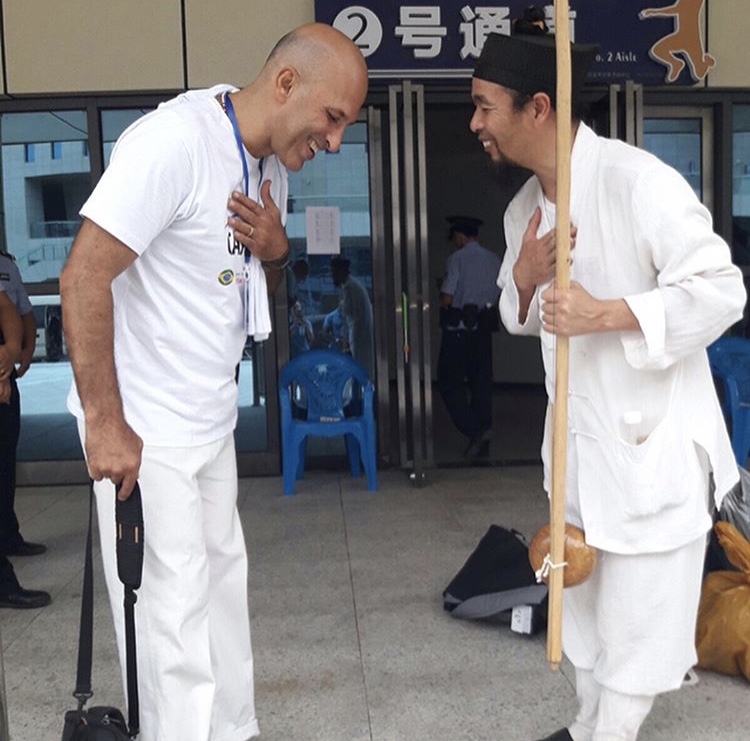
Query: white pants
(606, 715)
(632, 622)
(195, 664)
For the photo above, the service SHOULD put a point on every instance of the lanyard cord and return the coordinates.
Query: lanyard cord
(229, 108)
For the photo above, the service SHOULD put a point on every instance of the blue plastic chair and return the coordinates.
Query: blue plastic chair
(326, 393)
(729, 358)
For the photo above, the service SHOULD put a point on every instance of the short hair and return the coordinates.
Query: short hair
(301, 265)
(340, 263)
(531, 23)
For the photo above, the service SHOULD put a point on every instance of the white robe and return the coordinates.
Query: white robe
(642, 236)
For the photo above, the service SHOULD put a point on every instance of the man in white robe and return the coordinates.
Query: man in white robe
(651, 286)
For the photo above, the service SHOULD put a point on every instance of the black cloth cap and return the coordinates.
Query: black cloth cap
(528, 64)
(467, 225)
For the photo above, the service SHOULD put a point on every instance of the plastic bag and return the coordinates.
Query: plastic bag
(735, 508)
(723, 630)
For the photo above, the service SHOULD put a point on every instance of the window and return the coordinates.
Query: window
(114, 122)
(678, 142)
(741, 184)
(45, 182)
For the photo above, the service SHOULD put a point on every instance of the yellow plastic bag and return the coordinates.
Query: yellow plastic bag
(723, 631)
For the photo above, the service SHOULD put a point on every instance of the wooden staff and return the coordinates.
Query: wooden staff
(562, 277)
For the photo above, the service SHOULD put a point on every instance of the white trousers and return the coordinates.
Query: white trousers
(195, 664)
(606, 715)
(632, 622)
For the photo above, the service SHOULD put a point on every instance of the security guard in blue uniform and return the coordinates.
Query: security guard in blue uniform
(12, 594)
(468, 316)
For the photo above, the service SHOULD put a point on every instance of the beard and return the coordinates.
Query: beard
(507, 173)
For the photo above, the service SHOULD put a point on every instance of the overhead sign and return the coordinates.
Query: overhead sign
(652, 42)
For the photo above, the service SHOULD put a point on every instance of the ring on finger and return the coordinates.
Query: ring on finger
(250, 230)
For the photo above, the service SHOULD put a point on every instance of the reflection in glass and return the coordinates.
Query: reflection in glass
(741, 184)
(45, 180)
(114, 122)
(316, 296)
(328, 309)
(251, 434)
(677, 141)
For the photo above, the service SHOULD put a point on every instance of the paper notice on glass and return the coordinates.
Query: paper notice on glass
(323, 227)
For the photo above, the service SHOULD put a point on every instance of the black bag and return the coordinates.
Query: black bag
(101, 722)
(735, 509)
(496, 577)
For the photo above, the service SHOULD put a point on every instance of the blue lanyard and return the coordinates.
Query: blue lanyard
(229, 107)
(240, 146)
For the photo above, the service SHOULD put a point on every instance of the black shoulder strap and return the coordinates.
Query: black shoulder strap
(83, 678)
(129, 518)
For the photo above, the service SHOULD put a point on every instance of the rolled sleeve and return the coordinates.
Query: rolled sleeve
(645, 347)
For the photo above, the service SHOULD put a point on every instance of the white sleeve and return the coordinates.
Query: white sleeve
(509, 300)
(699, 292)
(146, 183)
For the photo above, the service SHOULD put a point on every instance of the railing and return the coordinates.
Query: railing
(54, 254)
(52, 229)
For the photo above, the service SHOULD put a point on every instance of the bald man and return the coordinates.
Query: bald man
(180, 242)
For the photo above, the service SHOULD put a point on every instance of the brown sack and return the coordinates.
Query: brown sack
(723, 631)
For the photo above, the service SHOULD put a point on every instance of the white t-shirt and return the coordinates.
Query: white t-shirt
(178, 315)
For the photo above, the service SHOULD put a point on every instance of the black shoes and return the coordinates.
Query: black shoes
(561, 735)
(24, 548)
(24, 599)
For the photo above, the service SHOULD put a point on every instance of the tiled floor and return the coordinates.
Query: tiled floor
(350, 639)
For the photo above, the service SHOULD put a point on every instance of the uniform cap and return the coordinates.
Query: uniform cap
(467, 225)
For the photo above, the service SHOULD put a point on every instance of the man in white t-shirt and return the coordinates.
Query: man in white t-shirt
(166, 278)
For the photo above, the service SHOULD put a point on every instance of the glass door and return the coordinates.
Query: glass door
(741, 184)
(683, 138)
(412, 318)
(330, 298)
(45, 168)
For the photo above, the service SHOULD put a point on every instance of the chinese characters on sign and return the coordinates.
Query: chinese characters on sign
(478, 23)
(421, 29)
(444, 38)
(323, 229)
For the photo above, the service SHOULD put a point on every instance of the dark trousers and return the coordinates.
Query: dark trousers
(465, 379)
(8, 580)
(10, 427)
